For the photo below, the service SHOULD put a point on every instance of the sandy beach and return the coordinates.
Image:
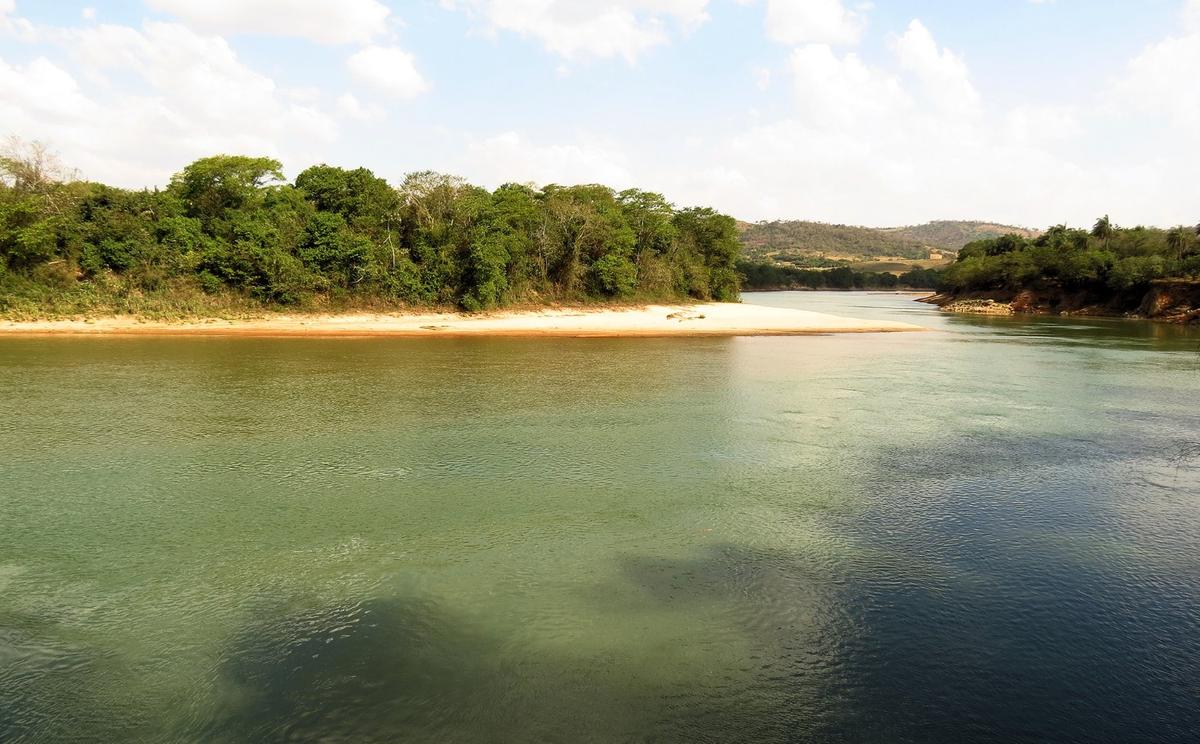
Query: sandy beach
(708, 319)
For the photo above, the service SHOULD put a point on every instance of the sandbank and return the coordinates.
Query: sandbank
(705, 319)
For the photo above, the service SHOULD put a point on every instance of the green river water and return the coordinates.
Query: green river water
(990, 532)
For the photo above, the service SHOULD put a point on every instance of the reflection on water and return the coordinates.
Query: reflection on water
(981, 533)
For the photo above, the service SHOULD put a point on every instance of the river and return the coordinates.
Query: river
(989, 532)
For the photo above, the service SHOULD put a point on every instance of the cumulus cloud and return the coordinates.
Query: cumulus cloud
(349, 106)
(899, 137)
(1044, 124)
(942, 74)
(1163, 79)
(13, 25)
(388, 69)
(509, 157)
(322, 21)
(838, 91)
(576, 29)
(40, 91)
(911, 138)
(813, 22)
(172, 95)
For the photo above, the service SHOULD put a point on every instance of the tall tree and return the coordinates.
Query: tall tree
(1103, 230)
(1178, 240)
(211, 186)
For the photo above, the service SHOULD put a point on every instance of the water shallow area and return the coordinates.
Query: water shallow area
(990, 532)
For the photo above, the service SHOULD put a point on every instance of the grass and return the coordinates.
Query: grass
(22, 299)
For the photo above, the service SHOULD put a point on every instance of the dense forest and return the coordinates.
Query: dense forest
(230, 232)
(1105, 260)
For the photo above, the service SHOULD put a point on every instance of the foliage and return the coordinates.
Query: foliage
(952, 235)
(759, 275)
(808, 243)
(229, 228)
(1104, 260)
(764, 240)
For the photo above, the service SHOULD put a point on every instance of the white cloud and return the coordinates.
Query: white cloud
(841, 135)
(1191, 15)
(942, 74)
(576, 29)
(839, 91)
(173, 96)
(40, 92)
(351, 107)
(1044, 124)
(813, 22)
(388, 69)
(322, 21)
(908, 141)
(509, 157)
(13, 25)
(1163, 81)
(762, 77)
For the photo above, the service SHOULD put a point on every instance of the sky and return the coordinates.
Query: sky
(896, 112)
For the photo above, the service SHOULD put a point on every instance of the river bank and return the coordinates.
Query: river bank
(705, 319)
(1172, 301)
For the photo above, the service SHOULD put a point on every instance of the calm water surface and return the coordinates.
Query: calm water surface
(986, 533)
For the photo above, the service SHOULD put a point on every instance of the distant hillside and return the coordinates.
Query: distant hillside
(952, 235)
(788, 241)
(777, 240)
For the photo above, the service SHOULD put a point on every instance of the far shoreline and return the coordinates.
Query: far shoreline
(652, 321)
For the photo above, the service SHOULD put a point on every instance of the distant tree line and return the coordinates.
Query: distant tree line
(762, 275)
(1107, 259)
(233, 226)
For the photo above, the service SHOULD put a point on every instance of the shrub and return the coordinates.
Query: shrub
(614, 275)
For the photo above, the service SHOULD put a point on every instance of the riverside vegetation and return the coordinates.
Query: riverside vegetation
(230, 235)
(1108, 270)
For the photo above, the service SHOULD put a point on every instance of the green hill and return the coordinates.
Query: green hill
(780, 240)
(952, 234)
(811, 243)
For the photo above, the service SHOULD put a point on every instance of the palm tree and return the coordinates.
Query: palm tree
(1177, 240)
(1103, 230)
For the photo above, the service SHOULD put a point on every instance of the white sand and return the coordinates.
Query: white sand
(708, 319)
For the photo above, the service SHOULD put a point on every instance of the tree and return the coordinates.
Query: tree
(614, 275)
(714, 237)
(229, 226)
(211, 186)
(649, 215)
(362, 199)
(1103, 230)
(332, 249)
(1178, 241)
(30, 167)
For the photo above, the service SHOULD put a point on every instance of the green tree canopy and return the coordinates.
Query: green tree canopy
(211, 186)
(229, 226)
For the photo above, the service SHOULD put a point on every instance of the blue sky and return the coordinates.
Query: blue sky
(869, 113)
